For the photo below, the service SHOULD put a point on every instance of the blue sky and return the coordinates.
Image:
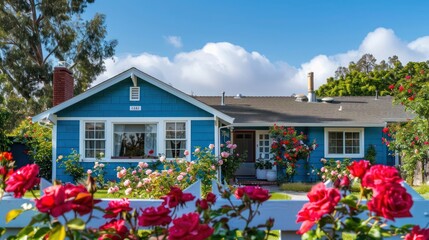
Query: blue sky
(205, 47)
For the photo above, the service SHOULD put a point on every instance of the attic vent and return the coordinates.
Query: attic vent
(327, 99)
(134, 93)
(238, 96)
(301, 98)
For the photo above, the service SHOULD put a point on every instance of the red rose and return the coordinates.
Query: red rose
(23, 179)
(6, 155)
(151, 152)
(345, 182)
(54, 201)
(257, 194)
(385, 130)
(418, 233)
(408, 77)
(359, 168)
(152, 216)
(188, 227)
(114, 230)
(391, 200)
(82, 201)
(380, 174)
(211, 198)
(176, 197)
(202, 204)
(392, 86)
(308, 217)
(115, 207)
(401, 88)
(322, 201)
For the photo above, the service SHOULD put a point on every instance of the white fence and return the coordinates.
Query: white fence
(283, 211)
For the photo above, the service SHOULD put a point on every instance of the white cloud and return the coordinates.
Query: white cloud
(227, 67)
(175, 41)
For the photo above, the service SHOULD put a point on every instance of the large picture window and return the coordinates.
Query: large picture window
(134, 140)
(175, 139)
(95, 141)
(344, 142)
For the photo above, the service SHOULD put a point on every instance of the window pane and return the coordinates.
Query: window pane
(89, 126)
(181, 134)
(99, 126)
(170, 126)
(180, 126)
(335, 142)
(134, 140)
(99, 135)
(89, 134)
(170, 134)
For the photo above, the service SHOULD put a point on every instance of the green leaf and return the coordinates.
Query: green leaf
(41, 232)
(375, 232)
(12, 214)
(59, 232)
(76, 224)
(309, 235)
(39, 218)
(25, 232)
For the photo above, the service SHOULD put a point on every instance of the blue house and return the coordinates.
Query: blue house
(135, 117)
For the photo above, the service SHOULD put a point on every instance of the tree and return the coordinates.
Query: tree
(363, 78)
(366, 63)
(411, 139)
(35, 35)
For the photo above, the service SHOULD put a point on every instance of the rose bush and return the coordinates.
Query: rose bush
(288, 147)
(339, 214)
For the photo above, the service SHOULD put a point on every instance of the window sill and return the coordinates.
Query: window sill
(361, 155)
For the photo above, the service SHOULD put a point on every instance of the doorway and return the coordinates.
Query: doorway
(245, 141)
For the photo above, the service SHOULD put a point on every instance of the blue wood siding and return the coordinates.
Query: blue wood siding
(202, 133)
(67, 140)
(372, 136)
(115, 102)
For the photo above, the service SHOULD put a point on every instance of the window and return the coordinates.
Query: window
(175, 139)
(134, 140)
(264, 146)
(344, 142)
(95, 141)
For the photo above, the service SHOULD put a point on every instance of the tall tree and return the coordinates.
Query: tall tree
(363, 78)
(35, 35)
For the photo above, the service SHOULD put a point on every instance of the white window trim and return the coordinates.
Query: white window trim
(82, 139)
(361, 141)
(109, 122)
(188, 137)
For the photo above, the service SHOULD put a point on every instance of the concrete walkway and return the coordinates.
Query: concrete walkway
(294, 195)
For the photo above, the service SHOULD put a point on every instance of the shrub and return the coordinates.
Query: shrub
(71, 165)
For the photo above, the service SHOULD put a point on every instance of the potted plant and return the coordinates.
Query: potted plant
(261, 172)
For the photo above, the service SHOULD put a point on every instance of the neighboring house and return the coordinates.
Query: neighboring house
(134, 117)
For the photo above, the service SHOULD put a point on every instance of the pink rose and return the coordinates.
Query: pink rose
(127, 183)
(186, 153)
(224, 154)
(197, 150)
(211, 146)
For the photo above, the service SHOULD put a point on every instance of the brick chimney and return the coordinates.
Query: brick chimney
(63, 85)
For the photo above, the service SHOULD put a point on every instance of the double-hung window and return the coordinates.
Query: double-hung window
(175, 139)
(95, 139)
(134, 140)
(344, 142)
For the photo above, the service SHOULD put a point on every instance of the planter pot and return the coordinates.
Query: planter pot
(261, 174)
(271, 175)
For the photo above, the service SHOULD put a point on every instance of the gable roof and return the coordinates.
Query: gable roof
(265, 111)
(122, 76)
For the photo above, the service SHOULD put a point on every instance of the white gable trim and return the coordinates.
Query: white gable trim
(112, 81)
